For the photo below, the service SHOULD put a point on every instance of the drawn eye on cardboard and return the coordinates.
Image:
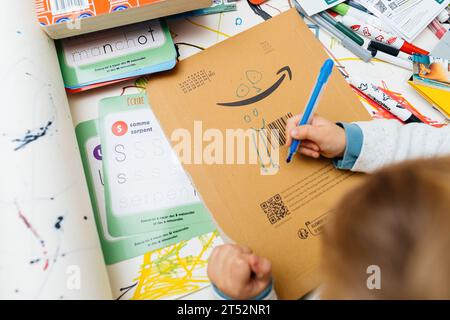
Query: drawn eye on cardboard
(282, 74)
(254, 77)
(242, 91)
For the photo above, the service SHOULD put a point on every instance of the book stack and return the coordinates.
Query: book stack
(431, 79)
(101, 42)
(67, 18)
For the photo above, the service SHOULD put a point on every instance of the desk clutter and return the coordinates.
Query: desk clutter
(95, 170)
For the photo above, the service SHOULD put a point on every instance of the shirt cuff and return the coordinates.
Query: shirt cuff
(354, 138)
(266, 294)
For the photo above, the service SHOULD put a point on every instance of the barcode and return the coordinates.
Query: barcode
(66, 6)
(380, 6)
(280, 126)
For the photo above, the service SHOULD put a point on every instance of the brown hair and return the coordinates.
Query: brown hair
(398, 220)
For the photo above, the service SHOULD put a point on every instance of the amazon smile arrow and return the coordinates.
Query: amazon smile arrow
(263, 94)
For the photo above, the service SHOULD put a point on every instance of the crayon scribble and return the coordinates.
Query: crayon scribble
(32, 136)
(167, 273)
(38, 238)
(408, 106)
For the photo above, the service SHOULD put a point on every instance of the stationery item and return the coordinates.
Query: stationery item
(219, 6)
(146, 189)
(376, 34)
(438, 30)
(346, 10)
(443, 17)
(257, 194)
(322, 80)
(63, 18)
(378, 46)
(442, 49)
(431, 71)
(439, 99)
(345, 30)
(257, 2)
(356, 5)
(316, 6)
(98, 58)
(407, 18)
(117, 249)
(402, 63)
(346, 41)
(383, 99)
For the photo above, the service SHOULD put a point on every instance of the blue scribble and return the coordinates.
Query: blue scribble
(32, 136)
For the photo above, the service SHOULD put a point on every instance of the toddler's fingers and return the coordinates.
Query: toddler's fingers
(310, 145)
(309, 152)
(290, 125)
(260, 266)
(306, 132)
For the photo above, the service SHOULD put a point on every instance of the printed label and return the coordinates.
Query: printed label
(105, 45)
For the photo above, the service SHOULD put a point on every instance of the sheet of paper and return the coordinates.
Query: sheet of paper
(168, 273)
(49, 247)
(314, 6)
(408, 18)
(442, 49)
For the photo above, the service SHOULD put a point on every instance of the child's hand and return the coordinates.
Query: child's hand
(237, 272)
(321, 137)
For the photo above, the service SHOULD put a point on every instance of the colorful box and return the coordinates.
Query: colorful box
(66, 18)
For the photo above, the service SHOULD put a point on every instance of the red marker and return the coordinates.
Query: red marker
(376, 34)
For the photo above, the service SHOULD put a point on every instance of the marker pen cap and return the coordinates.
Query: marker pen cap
(341, 9)
(383, 47)
(325, 71)
(443, 16)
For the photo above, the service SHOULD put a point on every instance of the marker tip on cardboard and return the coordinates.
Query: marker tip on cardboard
(289, 158)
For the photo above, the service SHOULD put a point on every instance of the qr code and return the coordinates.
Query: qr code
(275, 209)
(380, 6)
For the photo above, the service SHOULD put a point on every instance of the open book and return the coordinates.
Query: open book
(51, 219)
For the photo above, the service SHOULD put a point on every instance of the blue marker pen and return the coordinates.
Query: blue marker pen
(325, 73)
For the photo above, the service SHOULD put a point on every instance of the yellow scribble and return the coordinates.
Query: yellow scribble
(208, 28)
(166, 274)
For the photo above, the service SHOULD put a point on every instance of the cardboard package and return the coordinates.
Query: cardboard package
(256, 80)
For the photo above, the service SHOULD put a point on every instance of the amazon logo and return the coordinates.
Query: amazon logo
(254, 77)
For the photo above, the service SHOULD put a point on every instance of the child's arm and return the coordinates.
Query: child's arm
(388, 141)
(237, 273)
(367, 146)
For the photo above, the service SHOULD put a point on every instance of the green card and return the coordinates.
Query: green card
(116, 249)
(146, 188)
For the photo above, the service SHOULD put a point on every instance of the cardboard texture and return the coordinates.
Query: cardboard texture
(270, 71)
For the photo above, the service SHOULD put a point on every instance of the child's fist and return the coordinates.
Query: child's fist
(321, 137)
(237, 272)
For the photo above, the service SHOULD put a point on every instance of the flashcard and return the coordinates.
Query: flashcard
(116, 249)
(146, 188)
